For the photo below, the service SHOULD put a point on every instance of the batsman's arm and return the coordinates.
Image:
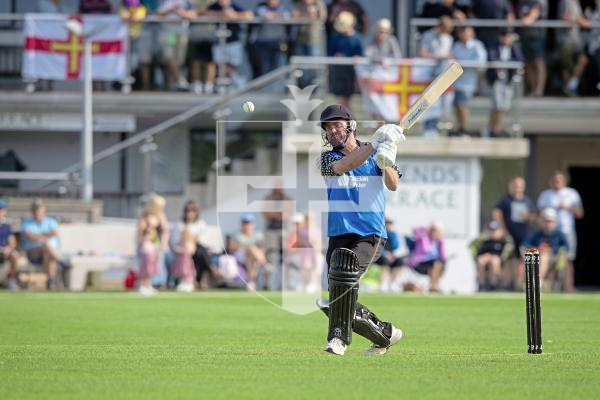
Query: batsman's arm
(352, 160)
(391, 177)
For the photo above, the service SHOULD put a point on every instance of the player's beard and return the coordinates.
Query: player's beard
(340, 143)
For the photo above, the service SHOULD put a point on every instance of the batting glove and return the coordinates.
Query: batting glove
(386, 155)
(389, 133)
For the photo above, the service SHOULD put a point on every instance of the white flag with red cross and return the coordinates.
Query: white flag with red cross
(390, 90)
(53, 52)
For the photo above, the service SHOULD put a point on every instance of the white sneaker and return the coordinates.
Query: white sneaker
(336, 346)
(196, 87)
(209, 87)
(182, 83)
(12, 285)
(147, 291)
(376, 350)
(185, 287)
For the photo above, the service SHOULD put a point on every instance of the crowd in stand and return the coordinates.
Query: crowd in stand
(175, 255)
(183, 55)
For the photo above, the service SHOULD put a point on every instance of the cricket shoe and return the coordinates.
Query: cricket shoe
(376, 350)
(336, 346)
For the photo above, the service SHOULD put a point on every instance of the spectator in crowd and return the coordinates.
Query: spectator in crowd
(553, 247)
(490, 9)
(41, 242)
(153, 241)
(438, 8)
(389, 261)
(469, 49)
(593, 14)
(147, 49)
(381, 52)
(173, 39)
(308, 41)
(233, 54)
(8, 248)
(229, 271)
(436, 44)
(572, 46)
(279, 207)
(501, 80)
(133, 12)
(345, 42)
(52, 7)
(533, 42)
(201, 39)
(514, 212)
(183, 263)
(385, 46)
(94, 7)
(568, 206)
(335, 8)
(491, 249)
(270, 40)
(305, 253)
(251, 253)
(427, 253)
(192, 222)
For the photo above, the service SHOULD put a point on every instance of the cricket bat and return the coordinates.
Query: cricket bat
(431, 94)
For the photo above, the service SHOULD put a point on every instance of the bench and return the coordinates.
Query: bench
(95, 248)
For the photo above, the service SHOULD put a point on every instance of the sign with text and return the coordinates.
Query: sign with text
(441, 189)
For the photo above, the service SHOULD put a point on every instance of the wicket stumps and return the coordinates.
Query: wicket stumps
(532, 301)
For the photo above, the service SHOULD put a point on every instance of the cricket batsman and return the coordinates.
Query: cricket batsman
(358, 176)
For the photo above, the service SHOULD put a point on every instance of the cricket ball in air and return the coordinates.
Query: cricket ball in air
(248, 107)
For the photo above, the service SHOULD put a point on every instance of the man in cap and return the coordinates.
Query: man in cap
(358, 176)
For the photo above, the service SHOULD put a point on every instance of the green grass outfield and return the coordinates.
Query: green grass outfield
(236, 345)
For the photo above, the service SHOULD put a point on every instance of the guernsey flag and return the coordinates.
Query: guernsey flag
(52, 52)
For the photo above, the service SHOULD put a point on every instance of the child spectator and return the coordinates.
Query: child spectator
(251, 253)
(345, 42)
(500, 80)
(467, 48)
(149, 262)
(305, 252)
(230, 273)
(183, 264)
(491, 249)
(427, 253)
(553, 247)
(8, 248)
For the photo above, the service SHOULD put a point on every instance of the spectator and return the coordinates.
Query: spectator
(553, 247)
(8, 248)
(385, 47)
(94, 7)
(270, 40)
(501, 80)
(192, 222)
(389, 261)
(427, 253)
(280, 206)
(438, 8)
(230, 273)
(345, 42)
(335, 8)
(533, 43)
(148, 50)
(490, 9)
(153, 241)
(41, 242)
(199, 54)
(593, 14)
(183, 263)
(436, 44)
(305, 253)
(173, 39)
(308, 41)
(52, 7)
(567, 204)
(133, 12)
(251, 253)
(466, 49)
(491, 249)
(233, 54)
(572, 47)
(514, 212)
